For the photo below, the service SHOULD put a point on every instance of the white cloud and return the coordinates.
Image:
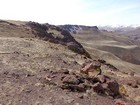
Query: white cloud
(62, 11)
(54, 11)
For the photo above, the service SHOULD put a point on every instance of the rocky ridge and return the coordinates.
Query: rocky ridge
(57, 35)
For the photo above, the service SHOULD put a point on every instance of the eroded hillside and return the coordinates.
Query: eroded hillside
(116, 49)
(42, 64)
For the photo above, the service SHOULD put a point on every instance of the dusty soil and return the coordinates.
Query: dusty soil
(34, 72)
(23, 73)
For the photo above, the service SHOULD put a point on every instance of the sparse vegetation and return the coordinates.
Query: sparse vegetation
(45, 64)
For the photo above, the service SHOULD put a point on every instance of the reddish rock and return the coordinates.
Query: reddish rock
(98, 88)
(80, 88)
(92, 69)
(113, 87)
(70, 80)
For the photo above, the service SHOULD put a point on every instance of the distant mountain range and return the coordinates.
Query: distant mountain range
(132, 32)
(118, 28)
(76, 28)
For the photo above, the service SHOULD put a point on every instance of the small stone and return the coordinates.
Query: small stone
(101, 78)
(101, 61)
(132, 73)
(138, 81)
(105, 86)
(77, 104)
(89, 92)
(119, 102)
(71, 80)
(65, 71)
(80, 88)
(52, 76)
(80, 96)
(134, 85)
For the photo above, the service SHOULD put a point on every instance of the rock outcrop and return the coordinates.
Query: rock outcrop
(79, 82)
(57, 35)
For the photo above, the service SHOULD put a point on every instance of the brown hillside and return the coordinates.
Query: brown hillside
(42, 64)
(117, 50)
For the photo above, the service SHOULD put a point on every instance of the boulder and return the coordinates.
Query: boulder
(92, 69)
(113, 87)
(97, 87)
(70, 80)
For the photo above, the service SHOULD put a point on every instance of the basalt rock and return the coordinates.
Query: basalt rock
(113, 87)
(80, 83)
(98, 88)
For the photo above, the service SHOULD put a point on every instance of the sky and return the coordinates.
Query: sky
(81, 12)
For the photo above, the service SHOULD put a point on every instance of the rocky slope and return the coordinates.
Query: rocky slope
(42, 64)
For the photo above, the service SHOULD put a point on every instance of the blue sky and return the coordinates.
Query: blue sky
(84, 12)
